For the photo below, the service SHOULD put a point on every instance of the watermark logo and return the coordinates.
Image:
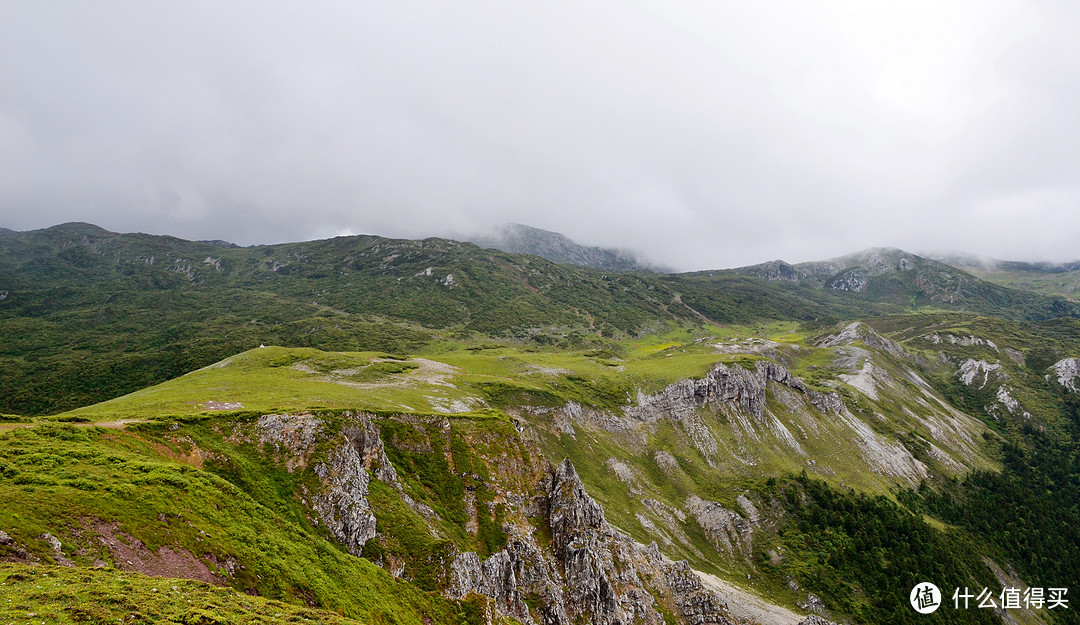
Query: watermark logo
(925, 598)
(1012, 598)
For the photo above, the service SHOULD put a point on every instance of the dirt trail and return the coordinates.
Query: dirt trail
(118, 424)
(112, 425)
(426, 372)
(744, 604)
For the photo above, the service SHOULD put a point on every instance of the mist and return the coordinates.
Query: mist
(704, 135)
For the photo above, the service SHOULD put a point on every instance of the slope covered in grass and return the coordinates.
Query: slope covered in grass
(164, 506)
(470, 425)
(88, 315)
(62, 595)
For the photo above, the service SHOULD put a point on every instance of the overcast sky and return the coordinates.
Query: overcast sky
(705, 134)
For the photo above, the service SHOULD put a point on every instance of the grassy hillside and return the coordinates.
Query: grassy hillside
(62, 595)
(138, 500)
(467, 423)
(749, 425)
(86, 314)
(1064, 283)
(892, 276)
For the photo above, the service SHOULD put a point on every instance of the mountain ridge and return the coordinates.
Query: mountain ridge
(558, 248)
(432, 432)
(101, 313)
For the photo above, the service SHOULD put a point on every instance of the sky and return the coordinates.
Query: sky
(703, 134)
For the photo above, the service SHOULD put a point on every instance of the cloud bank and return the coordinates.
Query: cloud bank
(705, 134)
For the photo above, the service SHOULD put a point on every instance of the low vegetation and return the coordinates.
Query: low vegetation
(62, 595)
(136, 367)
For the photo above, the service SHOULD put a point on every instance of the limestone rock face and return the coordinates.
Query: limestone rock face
(1010, 403)
(697, 604)
(963, 341)
(588, 572)
(725, 528)
(735, 385)
(509, 576)
(295, 434)
(775, 271)
(577, 523)
(665, 461)
(971, 370)
(365, 437)
(589, 549)
(342, 504)
(858, 331)
(1068, 372)
(849, 280)
(594, 573)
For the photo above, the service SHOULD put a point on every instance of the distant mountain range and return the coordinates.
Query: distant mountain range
(522, 239)
(853, 273)
(87, 314)
(1041, 277)
(971, 261)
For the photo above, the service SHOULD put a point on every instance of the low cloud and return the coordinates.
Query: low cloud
(703, 134)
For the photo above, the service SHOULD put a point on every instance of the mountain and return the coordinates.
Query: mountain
(381, 430)
(860, 272)
(1062, 279)
(522, 239)
(886, 275)
(971, 261)
(220, 243)
(677, 477)
(88, 314)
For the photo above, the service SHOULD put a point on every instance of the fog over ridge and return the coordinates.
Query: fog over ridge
(705, 135)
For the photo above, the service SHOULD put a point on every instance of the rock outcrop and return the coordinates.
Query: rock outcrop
(589, 571)
(858, 331)
(963, 341)
(593, 572)
(1010, 403)
(851, 280)
(774, 271)
(736, 385)
(518, 572)
(342, 504)
(362, 434)
(667, 462)
(728, 530)
(295, 434)
(971, 369)
(1068, 372)
(577, 529)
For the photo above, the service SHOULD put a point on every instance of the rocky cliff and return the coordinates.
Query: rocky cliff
(1067, 371)
(736, 385)
(593, 572)
(576, 568)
